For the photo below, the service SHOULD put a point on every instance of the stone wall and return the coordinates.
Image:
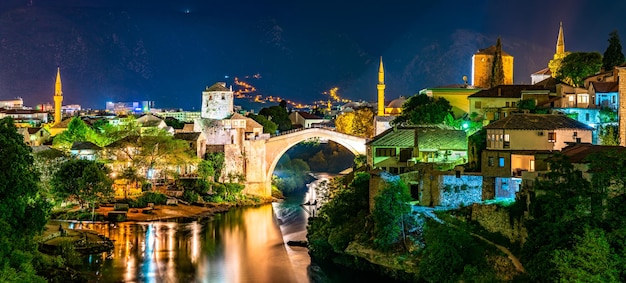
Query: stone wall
(461, 190)
(497, 219)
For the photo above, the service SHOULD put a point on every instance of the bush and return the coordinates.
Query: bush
(146, 198)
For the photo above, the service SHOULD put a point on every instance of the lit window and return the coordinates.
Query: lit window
(477, 104)
(490, 161)
(532, 166)
(501, 162)
(551, 137)
(571, 98)
(583, 98)
(507, 141)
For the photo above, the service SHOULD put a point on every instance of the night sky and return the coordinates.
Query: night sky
(168, 51)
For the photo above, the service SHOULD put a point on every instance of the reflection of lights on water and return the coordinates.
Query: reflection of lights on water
(195, 241)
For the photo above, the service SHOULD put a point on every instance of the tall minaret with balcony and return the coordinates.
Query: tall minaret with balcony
(58, 97)
(381, 89)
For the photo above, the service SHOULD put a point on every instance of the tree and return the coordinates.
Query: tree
(84, 181)
(609, 135)
(423, 109)
(268, 126)
(590, 260)
(131, 176)
(77, 131)
(613, 55)
(390, 207)
(577, 66)
(497, 68)
(23, 210)
(357, 123)
(278, 115)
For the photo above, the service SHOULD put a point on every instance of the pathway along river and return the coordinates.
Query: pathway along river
(245, 244)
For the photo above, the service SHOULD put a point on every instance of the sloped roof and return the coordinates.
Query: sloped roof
(133, 139)
(544, 71)
(85, 145)
(523, 121)
(491, 50)
(506, 91)
(187, 136)
(604, 87)
(429, 137)
(219, 86)
(578, 152)
(63, 124)
(307, 115)
(32, 131)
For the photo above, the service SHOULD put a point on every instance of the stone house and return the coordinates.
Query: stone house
(305, 119)
(397, 149)
(522, 142)
(500, 101)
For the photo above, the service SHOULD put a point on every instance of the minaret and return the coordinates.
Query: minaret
(560, 42)
(58, 97)
(381, 89)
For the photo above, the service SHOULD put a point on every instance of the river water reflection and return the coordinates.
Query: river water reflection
(242, 245)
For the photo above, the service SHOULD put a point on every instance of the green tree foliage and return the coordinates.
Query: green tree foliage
(48, 163)
(358, 123)
(450, 255)
(423, 109)
(84, 181)
(77, 131)
(609, 135)
(497, 68)
(613, 55)
(589, 260)
(174, 123)
(214, 163)
(341, 220)
(577, 66)
(389, 214)
(607, 115)
(527, 104)
(23, 211)
(268, 126)
(278, 115)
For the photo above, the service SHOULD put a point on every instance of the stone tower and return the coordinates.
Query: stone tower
(217, 101)
(58, 97)
(482, 63)
(381, 89)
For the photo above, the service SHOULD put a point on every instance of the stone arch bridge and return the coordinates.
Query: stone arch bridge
(259, 172)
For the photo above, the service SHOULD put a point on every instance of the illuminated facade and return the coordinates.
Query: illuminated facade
(17, 103)
(482, 63)
(217, 101)
(129, 107)
(58, 97)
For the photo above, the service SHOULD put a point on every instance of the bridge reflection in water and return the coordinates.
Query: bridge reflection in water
(242, 245)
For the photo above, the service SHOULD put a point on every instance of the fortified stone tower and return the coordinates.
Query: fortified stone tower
(482, 63)
(58, 98)
(217, 101)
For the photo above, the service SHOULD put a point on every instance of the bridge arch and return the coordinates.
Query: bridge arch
(276, 146)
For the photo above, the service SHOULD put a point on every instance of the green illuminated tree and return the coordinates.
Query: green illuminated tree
(497, 69)
(77, 131)
(278, 115)
(577, 66)
(391, 205)
(23, 210)
(613, 55)
(268, 126)
(84, 181)
(423, 109)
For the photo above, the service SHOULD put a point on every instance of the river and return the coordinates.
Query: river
(245, 244)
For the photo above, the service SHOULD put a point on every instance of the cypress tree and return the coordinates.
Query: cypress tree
(497, 69)
(613, 55)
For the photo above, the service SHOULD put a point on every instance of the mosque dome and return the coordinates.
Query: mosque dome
(397, 103)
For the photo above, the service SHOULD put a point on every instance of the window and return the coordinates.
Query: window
(490, 161)
(613, 98)
(532, 166)
(587, 117)
(223, 97)
(477, 105)
(385, 151)
(570, 98)
(551, 137)
(507, 141)
(513, 104)
(583, 98)
(500, 161)
(507, 104)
